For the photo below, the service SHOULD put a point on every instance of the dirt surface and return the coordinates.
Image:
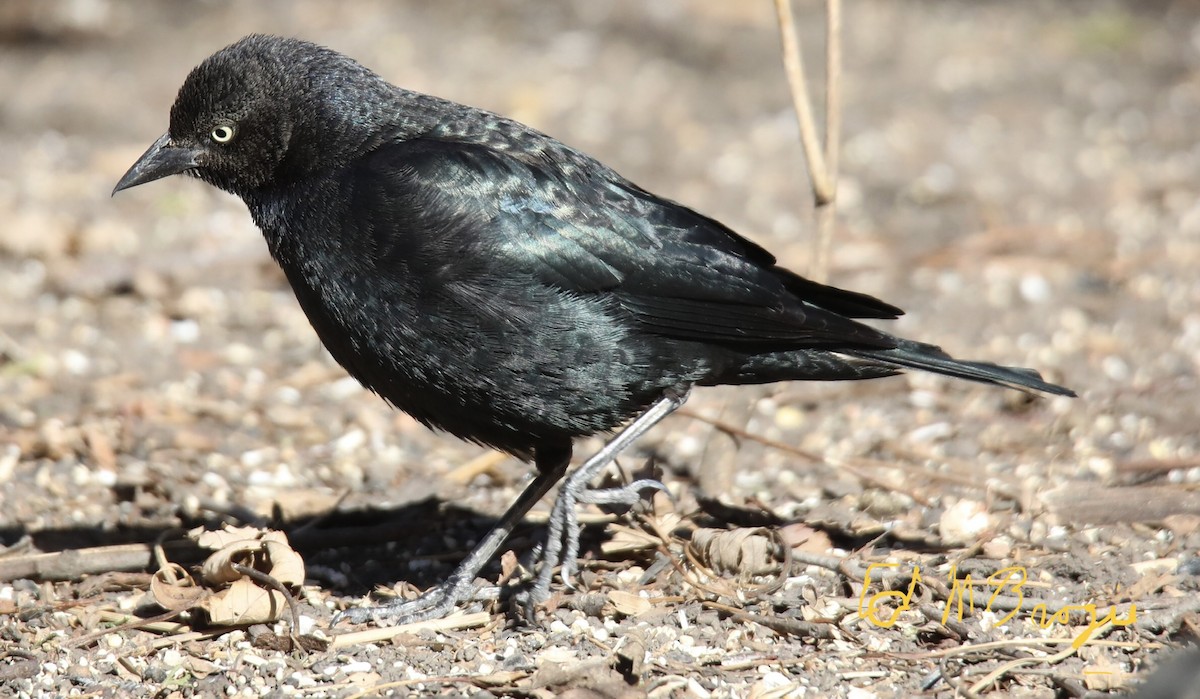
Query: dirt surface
(1021, 177)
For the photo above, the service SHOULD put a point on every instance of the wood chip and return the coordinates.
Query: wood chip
(1080, 503)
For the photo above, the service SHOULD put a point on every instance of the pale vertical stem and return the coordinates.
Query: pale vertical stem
(833, 91)
(827, 206)
(822, 164)
(793, 64)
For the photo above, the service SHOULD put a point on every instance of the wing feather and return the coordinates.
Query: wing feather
(674, 271)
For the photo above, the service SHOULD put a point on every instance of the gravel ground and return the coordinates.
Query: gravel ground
(1020, 176)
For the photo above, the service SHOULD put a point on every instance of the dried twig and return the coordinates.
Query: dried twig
(454, 621)
(822, 165)
(161, 623)
(793, 63)
(842, 566)
(783, 625)
(1098, 505)
(74, 564)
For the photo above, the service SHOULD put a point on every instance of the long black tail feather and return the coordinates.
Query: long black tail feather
(916, 355)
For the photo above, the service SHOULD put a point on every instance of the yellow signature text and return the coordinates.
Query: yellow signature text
(961, 601)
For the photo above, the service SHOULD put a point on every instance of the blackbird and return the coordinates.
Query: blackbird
(499, 285)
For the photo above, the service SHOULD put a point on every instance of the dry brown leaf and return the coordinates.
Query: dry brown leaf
(1182, 525)
(801, 537)
(503, 678)
(1102, 674)
(364, 679)
(221, 538)
(508, 564)
(278, 559)
(200, 667)
(244, 602)
(623, 539)
(667, 521)
(745, 551)
(629, 603)
(287, 566)
(662, 505)
(1150, 584)
(177, 595)
(764, 690)
(218, 568)
(241, 600)
(101, 447)
(485, 464)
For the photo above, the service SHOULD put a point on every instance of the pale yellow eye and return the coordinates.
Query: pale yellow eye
(222, 134)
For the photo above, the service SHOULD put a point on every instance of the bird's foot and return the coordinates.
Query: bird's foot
(563, 529)
(436, 602)
(628, 495)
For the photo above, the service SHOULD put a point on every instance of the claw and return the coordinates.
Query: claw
(630, 494)
(562, 536)
(433, 603)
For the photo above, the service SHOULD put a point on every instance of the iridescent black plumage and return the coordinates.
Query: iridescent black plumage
(492, 281)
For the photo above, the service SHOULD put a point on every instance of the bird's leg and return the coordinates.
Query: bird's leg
(563, 527)
(562, 537)
(438, 601)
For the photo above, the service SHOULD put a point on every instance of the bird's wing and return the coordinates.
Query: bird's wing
(571, 223)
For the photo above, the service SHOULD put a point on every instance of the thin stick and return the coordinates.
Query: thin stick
(833, 95)
(793, 64)
(827, 207)
(822, 165)
(448, 623)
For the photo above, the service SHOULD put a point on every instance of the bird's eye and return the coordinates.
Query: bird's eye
(222, 134)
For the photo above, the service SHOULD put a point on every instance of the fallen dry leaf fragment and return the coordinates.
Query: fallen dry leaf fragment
(267, 551)
(746, 551)
(1182, 525)
(244, 602)
(802, 537)
(1103, 674)
(629, 603)
(178, 594)
(623, 540)
(1150, 584)
(225, 594)
(219, 538)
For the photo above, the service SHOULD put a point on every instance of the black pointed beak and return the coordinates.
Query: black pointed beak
(161, 159)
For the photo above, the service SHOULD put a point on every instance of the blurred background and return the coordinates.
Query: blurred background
(1021, 177)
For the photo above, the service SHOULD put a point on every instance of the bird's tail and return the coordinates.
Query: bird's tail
(916, 355)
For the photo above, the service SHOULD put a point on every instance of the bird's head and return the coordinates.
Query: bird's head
(264, 111)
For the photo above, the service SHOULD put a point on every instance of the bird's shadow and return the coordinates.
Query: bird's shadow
(420, 542)
(350, 550)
